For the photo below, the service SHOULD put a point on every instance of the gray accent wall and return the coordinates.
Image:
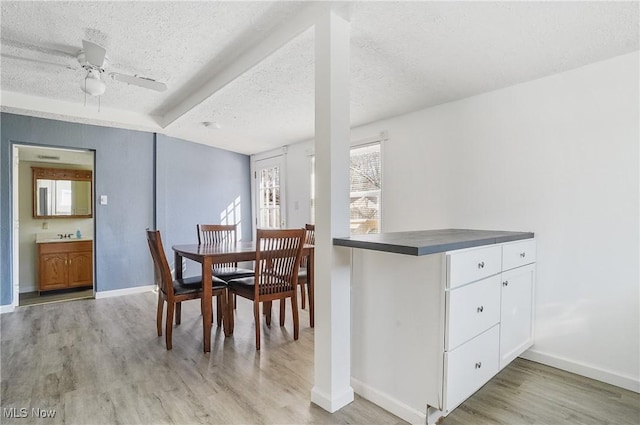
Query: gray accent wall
(191, 180)
(198, 184)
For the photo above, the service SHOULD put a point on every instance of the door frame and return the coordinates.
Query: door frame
(15, 214)
(15, 227)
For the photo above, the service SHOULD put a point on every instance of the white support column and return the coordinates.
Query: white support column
(332, 389)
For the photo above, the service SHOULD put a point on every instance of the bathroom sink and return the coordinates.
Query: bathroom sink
(52, 237)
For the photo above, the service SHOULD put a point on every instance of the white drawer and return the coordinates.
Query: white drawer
(470, 366)
(520, 253)
(471, 310)
(473, 264)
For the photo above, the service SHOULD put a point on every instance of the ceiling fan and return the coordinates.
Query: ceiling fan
(93, 59)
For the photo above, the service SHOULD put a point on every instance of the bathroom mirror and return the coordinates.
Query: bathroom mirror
(59, 192)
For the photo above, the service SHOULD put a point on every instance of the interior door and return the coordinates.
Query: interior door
(270, 193)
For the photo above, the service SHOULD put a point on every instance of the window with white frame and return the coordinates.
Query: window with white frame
(365, 200)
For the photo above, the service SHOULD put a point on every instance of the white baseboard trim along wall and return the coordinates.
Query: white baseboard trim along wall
(9, 308)
(6, 308)
(388, 403)
(125, 291)
(626, 382)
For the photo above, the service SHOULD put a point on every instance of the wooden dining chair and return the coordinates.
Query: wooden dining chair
(222, 234)
(278, 254)
(178, 290)
(310, 239)
(303, 282)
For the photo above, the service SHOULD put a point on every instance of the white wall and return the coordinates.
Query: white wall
(30, 226)
(558, 156)
(298, 163)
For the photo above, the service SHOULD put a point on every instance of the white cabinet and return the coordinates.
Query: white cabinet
(428, 331)
(516, 304)
(500, 305)
(516, 313)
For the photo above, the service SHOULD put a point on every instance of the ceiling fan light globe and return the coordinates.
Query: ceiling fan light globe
(92, 86)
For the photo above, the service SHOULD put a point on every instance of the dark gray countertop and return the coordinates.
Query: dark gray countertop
(424, 242)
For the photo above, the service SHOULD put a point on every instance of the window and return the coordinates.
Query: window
(270, 192)
(365, 189)
(269, 195)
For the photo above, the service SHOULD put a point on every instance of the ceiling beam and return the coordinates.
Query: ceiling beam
(24, 104)
(252, 56)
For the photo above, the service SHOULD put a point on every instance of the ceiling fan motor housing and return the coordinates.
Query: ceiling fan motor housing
(82, 60)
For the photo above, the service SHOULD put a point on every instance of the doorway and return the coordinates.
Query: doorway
(269, 176)
(52, 250)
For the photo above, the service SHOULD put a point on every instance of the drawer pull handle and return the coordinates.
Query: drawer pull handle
(505, 283)
(478, 365)
(481, 265)
(523, 254)
(480, 309)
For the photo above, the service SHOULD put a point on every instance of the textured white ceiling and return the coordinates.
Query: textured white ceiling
(404, 56)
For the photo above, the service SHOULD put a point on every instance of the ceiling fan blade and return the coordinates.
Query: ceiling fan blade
(60, 50)
(61, 65)
(93, 53)
(147, 83)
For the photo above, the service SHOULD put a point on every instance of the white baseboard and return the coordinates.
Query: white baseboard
(331, 404)
(389, 403)
(626, 382)
(125, 291)
(9, 308)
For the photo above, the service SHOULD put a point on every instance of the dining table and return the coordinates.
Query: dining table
(208, 255)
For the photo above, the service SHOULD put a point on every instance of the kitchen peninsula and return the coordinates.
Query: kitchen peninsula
(435, 314)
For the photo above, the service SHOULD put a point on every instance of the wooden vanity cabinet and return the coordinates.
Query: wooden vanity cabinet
(64, 265)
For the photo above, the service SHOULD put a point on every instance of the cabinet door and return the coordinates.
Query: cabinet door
(53, 271)
(80, 269)
(516, 313)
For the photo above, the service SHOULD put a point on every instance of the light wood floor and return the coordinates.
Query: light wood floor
(100, 362)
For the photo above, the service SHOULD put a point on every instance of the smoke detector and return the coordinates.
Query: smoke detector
(212, 125)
